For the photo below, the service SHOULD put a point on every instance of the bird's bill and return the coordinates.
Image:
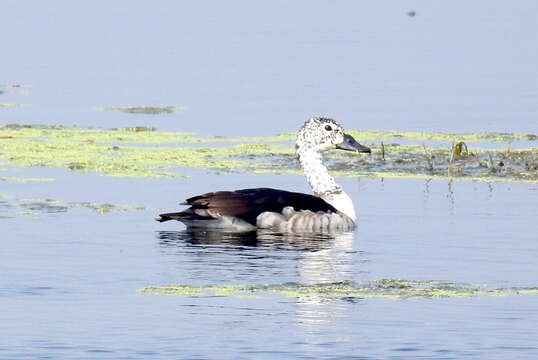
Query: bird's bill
(351, 144)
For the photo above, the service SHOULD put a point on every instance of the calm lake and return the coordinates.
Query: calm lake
(437, 267)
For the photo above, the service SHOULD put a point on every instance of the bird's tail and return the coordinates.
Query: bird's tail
(182, 215)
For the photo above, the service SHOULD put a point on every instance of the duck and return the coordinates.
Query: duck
(328, 209)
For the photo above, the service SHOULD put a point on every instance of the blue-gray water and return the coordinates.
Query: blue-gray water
(68, 279)
(254, 68)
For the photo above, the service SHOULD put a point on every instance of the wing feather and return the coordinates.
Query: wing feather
(247, 204)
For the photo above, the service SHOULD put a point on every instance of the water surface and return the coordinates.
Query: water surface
(70, 277)
(257, 69)
(77, 246)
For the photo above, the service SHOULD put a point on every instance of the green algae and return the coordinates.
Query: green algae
(135, 135)
(148, 135)
(216, 290)
(11, 206)
(486, 178)
(145, 152)
(395, 289)
(11, 105)
(379, 135)
(153, 110)
(103, 151)
(14, 88)
(130, 135)
(25, 179)
(384, 135)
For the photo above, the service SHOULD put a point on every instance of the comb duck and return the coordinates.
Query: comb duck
(329, 209)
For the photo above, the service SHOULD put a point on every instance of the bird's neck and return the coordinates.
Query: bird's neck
(317, 173)
(323, 184)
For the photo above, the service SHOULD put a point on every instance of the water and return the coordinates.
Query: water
(256, 69)
(70, 278)
(70, 274)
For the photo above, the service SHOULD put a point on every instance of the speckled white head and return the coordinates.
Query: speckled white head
(319, 134)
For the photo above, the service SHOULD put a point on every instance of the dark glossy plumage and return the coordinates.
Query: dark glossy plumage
(246, 204)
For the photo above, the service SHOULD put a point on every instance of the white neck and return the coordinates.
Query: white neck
(317, 173)
(323, 184)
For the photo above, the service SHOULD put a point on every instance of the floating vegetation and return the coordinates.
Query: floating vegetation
(153, 110)
(395, 289)
(25, 179)
(16, 88)
(11, 206)
(11, 105)
(145, 152)
(441, 136)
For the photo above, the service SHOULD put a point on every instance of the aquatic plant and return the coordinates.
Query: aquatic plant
(153, 110)
(145, 152)
(395, 289)
(14, 88)
(9, 105)
(11, 206)
(25, 179)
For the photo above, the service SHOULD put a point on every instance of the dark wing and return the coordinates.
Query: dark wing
(246, 204)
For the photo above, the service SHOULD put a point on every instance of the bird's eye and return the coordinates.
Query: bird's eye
(328, 127)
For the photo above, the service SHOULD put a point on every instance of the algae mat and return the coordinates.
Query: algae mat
(145, 152)
(11, 206)
(149, 110)
(395, 289)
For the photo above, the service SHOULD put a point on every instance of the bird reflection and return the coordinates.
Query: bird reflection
(317, 257)
(259, 238)
(312, 258)
(175, 238)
